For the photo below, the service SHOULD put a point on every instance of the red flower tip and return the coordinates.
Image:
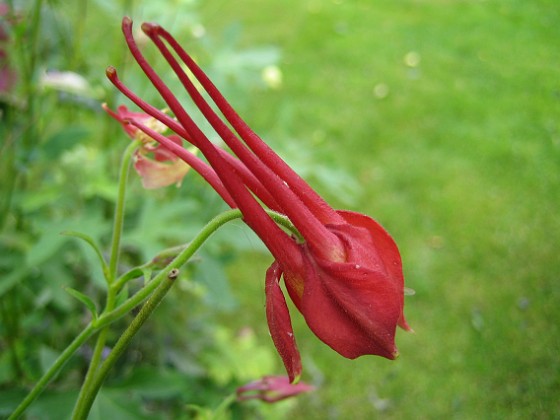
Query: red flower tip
(149, 28)
(110, 72)
(271, 389)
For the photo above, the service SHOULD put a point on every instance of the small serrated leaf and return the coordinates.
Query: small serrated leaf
(86, 300)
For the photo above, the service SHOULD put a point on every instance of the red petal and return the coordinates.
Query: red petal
(156, 174)
(280, 325)
(380, 240)
(352, 309)
(354, 306)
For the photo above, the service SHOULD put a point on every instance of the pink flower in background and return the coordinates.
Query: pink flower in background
(343, 271)
(156, 165)
(8, 76)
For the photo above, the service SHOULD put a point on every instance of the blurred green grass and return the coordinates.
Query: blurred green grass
(447, 113)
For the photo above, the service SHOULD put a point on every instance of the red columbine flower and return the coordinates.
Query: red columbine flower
(345, 276)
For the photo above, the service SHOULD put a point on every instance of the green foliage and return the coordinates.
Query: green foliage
(60, 155)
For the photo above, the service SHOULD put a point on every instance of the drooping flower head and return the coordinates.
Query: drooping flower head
(345, 276)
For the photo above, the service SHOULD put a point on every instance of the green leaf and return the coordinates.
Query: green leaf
(237, 357)
(90, 241)
(86, 300)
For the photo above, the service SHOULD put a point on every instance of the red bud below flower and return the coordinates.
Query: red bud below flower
(272, 389)
(345, 278)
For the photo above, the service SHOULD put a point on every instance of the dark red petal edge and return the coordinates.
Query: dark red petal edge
(280, 324)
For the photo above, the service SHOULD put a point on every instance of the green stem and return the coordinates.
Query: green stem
(113, 263)
(52, 371)
(181, 259)
(29, 79)
(119, 210)
(96, 358)
(284, 221)
(83, 406)
(186, 252)
(109, 317)
(78, 37)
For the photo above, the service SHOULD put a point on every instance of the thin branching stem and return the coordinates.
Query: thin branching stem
(83, 406)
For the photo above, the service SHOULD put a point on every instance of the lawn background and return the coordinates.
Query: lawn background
(446, 112)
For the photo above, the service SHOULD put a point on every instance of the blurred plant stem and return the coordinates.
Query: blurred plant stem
(18, 142)
(109, 317)
(157, 288)
(19, 135)
(79, 28)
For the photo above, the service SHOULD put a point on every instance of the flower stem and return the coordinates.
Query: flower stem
(113, 263)
(119, 210)
(159, 285)
(181, 259)
(109, 316)
(91, 385)
(83, 405)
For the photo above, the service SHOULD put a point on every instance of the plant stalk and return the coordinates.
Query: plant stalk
(83, 406)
